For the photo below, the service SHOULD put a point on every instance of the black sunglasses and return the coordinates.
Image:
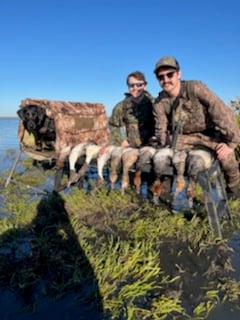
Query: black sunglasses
(168, 75)
(137, 84)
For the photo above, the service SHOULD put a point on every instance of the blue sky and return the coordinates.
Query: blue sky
(79, 50)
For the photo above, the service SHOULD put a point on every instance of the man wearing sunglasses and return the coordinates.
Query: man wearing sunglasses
(132, 120)
(188, 113)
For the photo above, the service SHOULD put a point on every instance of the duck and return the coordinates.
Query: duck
(145, 156)
(129, 158)
(166, 162)
(162, 161)
(197, 161)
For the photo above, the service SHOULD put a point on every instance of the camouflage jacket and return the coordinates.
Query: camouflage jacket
(135, 119)
(199, 111)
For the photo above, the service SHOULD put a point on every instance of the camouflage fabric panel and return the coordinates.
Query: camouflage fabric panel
(194, 117)
(75, 122)
(66, 107)
(38, 102)
(74, 129)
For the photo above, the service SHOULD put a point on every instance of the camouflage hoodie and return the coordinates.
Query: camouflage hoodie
(200, 111)
(133, 121)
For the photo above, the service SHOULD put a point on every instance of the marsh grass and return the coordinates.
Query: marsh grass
(141, 261)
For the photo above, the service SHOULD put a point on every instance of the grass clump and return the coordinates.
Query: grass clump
(122, 256)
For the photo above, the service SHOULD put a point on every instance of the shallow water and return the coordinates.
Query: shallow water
(8, 141)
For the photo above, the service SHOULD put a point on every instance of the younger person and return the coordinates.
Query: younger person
(132, 121)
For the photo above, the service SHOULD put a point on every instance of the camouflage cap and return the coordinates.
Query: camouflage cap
(170, 62)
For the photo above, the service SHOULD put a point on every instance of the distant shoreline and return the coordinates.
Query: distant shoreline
(8, 117)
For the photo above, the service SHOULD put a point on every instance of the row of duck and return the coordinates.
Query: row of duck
(184, 163)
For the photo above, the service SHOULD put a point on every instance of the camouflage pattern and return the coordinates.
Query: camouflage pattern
(230, 167)
(164, 62)
(135, 119)
(75, 122)
(188, 142)
(205, 120)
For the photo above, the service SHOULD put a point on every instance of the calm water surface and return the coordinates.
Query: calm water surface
(8, 133)
(9, 143)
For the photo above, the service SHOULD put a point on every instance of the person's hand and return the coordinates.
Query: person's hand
(125, 143)
(223, 150)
